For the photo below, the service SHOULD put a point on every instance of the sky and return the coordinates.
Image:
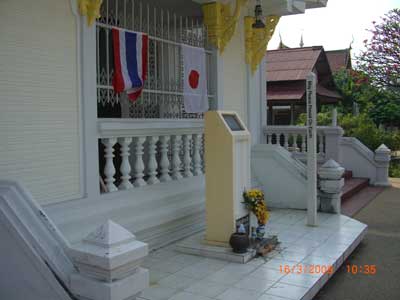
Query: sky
(334, 26)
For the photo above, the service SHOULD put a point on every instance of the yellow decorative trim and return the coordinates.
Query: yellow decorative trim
(90, 9)
(257, 39)
(221, 25)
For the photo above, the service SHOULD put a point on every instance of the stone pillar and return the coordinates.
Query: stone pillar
(334, 117)
(333, 136)
(382, 158)
(330, 186)
(108, 263)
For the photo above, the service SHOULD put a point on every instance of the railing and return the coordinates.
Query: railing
(294, 138)
(135, 153)
(162, 95)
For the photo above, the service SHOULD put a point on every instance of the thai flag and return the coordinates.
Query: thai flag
(130, 62)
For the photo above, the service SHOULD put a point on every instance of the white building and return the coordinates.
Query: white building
(88, 155)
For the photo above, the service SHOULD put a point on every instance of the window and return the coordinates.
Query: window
(162, 95)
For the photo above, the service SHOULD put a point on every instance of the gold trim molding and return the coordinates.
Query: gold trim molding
(90, 9)
(221, 25)
(256, 39)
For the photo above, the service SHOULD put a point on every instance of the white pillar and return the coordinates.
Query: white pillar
(334, 117)
(311, 87)
(164, 162)
(152, 163)
(109, 169)
(125, 168)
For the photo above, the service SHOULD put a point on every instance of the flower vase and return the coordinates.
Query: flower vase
(260, 231)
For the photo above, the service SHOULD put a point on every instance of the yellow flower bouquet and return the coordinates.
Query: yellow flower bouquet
(254, 201)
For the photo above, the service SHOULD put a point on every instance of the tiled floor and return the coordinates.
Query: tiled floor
(176, 276)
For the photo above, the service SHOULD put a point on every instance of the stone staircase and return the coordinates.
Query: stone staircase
(357, 193)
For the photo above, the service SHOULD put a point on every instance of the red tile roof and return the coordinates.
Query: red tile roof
(291, 64)
(339, 59)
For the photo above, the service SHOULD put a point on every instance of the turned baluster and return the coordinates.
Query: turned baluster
(321, 143)
(152, 162)
(303, 143)
(164, 161)
(286, 141)
(125, 168)
(196, 154)
(176, 160)
(139, 165)
(187, 160)
(109, 169)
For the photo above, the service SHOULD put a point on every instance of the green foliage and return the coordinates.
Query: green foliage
(361, 127)
(394, 169)
(381, 105)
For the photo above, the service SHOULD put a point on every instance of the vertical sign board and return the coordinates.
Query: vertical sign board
(311, 89)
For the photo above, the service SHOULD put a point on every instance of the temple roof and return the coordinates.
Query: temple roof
(339, 59)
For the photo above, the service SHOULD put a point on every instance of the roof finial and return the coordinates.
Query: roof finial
(301, 41)
(281, 44)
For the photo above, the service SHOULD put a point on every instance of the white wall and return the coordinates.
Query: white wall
(39, 115)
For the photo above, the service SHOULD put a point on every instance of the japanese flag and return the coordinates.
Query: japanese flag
(195, 81)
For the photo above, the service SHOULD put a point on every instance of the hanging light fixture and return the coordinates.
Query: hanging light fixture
(258, 16)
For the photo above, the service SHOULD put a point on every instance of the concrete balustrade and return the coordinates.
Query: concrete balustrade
(150, 152)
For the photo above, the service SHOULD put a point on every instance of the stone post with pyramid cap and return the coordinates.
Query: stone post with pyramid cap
(108, 264)
(331, 183)
(382, 159)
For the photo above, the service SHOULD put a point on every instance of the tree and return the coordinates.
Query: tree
(381, 59)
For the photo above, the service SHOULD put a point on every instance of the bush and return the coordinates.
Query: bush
(394, 169)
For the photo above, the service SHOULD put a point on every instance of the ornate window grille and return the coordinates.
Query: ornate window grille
(162, 95)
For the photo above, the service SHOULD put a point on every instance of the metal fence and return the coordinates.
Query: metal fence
(162, 95)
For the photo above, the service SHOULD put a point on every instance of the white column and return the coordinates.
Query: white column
(139, 166)
(334, 117)
(125, 168)
(164, 162)
(311, 86)
(196, 154)
(187, 160)
(176, 161)
(152, 163)
(109, 169)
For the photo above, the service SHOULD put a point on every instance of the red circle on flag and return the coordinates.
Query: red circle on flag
(194, 79)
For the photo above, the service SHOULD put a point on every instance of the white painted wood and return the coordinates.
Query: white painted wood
(39, 97)
(139, 165)
(176, 160)
(152, 163)
(311, 90)
(125, 168)
(109, 169)
(197, 143)
(164, 162)
(187, 160)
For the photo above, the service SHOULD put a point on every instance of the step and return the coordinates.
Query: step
(352, 186)
(360, 200)
(348, 174)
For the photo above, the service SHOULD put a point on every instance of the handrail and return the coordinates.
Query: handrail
(148, 127)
